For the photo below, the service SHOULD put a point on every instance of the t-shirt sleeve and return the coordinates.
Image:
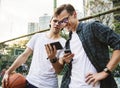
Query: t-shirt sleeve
(31, 42)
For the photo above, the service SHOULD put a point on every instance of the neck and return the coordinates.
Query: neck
(52, 35)
(75, 26)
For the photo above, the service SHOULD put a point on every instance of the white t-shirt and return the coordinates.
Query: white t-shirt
(42, 73)
(81, 65)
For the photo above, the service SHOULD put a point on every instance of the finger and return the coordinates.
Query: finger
(68, 58)
(90, 80)
(50, 48)
(3, 84)
(89, 74)
(66, 54)
(54, 48)
(94, 83)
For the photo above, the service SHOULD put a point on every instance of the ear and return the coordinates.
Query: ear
(75, 14)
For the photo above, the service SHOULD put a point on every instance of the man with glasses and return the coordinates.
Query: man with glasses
(42, 73)
(89, 64)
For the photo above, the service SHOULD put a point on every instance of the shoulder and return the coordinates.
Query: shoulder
(38, 35)
(88, 24)
(98, 26)
(93, 23)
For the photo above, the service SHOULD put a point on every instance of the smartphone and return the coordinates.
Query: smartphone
(67, 51)
(57, 45)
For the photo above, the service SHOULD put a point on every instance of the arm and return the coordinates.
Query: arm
(51, 52)
(109, 37)
(58, 66)
(20, 59)
(94, 78)
(115, 59)
(59, 63)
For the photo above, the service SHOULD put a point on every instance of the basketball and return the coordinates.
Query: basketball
(16, 80)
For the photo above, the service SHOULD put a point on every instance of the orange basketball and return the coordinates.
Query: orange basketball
(16, 80)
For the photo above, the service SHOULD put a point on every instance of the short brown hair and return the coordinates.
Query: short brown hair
(68, 7)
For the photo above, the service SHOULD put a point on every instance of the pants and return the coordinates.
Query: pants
(29, 85)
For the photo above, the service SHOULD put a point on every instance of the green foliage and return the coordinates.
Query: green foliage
(116, 72)
(3, 45)
(8, 52)
(64, 34)
(117, 27)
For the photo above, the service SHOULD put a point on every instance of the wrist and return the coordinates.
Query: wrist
(106, 70)
(53, 60)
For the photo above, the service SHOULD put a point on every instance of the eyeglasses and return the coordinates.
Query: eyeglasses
(65, 20)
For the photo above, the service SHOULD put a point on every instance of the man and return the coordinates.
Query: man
(41, 73)
(91, 65)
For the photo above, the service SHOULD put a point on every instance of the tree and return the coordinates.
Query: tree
(93, 7)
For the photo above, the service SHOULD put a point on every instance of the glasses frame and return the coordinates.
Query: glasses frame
(65, 20)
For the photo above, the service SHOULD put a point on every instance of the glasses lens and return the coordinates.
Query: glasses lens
(65, 20)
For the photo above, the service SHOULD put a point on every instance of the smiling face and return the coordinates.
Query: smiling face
(67, 13)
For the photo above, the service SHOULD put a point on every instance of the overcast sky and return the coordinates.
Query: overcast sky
(15, 14)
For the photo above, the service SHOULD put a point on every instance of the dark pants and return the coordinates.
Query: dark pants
(30, 85)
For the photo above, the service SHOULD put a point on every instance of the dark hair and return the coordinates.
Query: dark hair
(68, 7)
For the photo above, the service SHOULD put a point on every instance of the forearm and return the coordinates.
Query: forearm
(115, 59)
(58, 66)
(20, 59)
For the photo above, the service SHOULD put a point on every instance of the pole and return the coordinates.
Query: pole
(55, 4)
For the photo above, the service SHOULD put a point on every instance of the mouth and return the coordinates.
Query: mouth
(56, 27)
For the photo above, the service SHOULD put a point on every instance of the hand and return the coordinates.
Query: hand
(95, 78)
(5, 80)
(68, 57)
(51, 51)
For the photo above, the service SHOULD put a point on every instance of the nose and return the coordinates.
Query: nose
(57, 23)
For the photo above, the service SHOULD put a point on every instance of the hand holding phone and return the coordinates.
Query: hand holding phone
(69, 60)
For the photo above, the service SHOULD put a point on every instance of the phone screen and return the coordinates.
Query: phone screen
(57, 45)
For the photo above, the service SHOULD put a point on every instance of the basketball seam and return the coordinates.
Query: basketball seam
(14, 81)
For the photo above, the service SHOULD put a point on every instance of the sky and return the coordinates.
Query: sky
(15, 14)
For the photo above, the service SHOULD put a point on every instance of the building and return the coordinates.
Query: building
(44, 22)
(33, 27)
